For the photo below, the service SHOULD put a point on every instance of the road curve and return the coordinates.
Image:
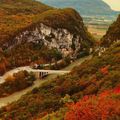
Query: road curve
(14, 97)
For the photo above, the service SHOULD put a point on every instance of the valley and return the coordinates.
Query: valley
(58, 62)
(96, 18)
(98, 25)
(14, 97)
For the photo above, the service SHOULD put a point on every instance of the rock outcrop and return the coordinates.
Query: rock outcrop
(66, 42)
(57, 28)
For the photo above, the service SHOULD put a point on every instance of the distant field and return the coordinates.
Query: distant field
(98, 25)
(96, 31)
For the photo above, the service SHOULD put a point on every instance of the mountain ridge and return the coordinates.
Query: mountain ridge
(85, 7)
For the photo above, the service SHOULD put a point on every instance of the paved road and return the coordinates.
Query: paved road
(1, 80)
(29, 69)
(17, 95)
(36, 70)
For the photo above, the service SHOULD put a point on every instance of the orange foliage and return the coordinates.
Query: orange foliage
(104, 70)
(3, 65)
(102, 107)
(10, 78)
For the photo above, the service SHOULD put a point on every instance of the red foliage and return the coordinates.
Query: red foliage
(117, 90)
(100, 107)
(104, 70)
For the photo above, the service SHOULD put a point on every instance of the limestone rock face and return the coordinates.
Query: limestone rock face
(29, 21)
(66, 42)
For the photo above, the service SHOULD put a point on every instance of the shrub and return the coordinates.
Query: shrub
(16, 82)
(101, 107)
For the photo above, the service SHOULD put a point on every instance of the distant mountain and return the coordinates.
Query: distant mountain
(85, 7)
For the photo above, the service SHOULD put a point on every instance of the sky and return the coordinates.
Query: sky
(115, 4)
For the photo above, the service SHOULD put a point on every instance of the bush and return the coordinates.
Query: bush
(16, 82)
(102, 107)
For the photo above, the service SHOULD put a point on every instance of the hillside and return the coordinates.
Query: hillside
(85, 7)
(28, 28)
(97, 15)
(16, 15)
(31, 32)
(113, 33)
(91, 78)
(11, 7)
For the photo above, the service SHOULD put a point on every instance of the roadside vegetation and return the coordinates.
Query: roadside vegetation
(16, 82)
(93, 77)
(28, 54)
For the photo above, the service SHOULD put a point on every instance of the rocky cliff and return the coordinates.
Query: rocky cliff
(67, 43)
(31, 32)
(57, 28)
(113, 34)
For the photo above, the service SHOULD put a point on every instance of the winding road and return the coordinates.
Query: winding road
(14, 97)
(1, 80)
